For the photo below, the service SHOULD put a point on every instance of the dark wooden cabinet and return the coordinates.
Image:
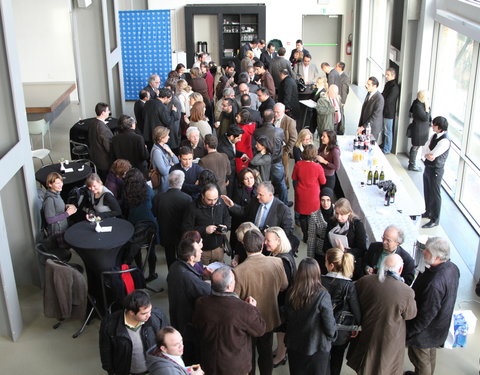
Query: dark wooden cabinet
(237, 24)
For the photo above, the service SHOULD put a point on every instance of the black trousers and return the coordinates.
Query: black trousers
(170, 254)
(336, 358)
(263, 344)
(432, 182)
(301, 364)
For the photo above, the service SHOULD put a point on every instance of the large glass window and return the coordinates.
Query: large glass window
(452, 80)
(456, 96)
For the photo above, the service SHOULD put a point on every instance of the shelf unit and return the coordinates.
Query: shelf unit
(237, 24)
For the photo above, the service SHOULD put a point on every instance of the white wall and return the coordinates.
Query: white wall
(283, 19)
(44, 40)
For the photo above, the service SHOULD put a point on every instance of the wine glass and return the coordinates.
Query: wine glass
(91, 217)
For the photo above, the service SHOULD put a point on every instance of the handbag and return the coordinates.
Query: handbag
(154, 176)
(345, 319)
(410, 130)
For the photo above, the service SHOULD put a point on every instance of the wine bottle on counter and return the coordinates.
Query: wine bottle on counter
(387, 198)
(375, 176)
(392, 195)
(370, 177)
(382, 175)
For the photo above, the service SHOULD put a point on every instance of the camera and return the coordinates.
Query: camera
(221, 228)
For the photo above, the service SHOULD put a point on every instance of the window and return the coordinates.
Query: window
(453, 73)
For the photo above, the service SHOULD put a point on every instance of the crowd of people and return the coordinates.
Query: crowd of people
(207, 159)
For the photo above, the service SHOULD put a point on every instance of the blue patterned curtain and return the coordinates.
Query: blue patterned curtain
(146, 48)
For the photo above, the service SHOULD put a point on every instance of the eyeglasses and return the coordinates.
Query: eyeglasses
(388, 240)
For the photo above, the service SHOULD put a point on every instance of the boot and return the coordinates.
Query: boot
(412, 160)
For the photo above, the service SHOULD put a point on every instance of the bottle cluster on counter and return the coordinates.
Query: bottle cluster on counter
(390, 190)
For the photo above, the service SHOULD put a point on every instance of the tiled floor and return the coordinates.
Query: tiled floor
(42, 350)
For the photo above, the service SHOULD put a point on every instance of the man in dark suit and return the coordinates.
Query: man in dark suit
(266, 101)
(288, 95)
(191, 171)
(332, 75)
(266, 79)
(144, 96)
(254, 114)
(391, 240)
(267, 56)
(248, 46)
(153, 86)
(129, 145)
(169, 208)
(372, 109)
(277, 65)
(299, 48)
(344, 87)
(265, 211)
(156, 113)
(390, 93)
(277, 138)
(100, 140)
(226, 145)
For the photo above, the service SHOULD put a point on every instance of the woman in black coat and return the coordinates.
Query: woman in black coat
(420, 126)
(346, 223)
(344, 298)
(310, 322)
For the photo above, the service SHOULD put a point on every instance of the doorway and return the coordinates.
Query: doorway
(322, 37)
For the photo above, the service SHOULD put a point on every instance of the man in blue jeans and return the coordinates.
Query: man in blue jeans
(390, 93)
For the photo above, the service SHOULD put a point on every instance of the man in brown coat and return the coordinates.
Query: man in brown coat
(217, 162)
(289, 127)
(226, 325)
(262, 278)
(386, 303)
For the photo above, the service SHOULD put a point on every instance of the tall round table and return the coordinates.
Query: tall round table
(70, 179)
(99, 250)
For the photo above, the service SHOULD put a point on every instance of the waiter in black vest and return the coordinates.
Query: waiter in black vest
(435, 153)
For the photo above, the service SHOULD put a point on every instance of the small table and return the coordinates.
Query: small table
(70, 179)
(99, 251)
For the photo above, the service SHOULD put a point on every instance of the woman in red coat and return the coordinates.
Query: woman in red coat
(307, 177)
(244, 121)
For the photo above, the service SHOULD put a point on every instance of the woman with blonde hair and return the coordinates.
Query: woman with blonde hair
(419, 128)
(338, 282)
(347, 232)
(305, 137)
(310, 322)
(183, 94)
(162, 156)
(198, 119)
(277, 244)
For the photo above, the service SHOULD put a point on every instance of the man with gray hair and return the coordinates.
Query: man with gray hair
(386, 303)
(153, 86)
(392, 240)
(435, 294)
(169, 208)
(229, 92)
(226, 322)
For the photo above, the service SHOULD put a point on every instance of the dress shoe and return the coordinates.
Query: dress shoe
(281, 363)
(425, 215)
(151, 277)
(289, 204)
(409, 373)
(432, 223)
(414, 168)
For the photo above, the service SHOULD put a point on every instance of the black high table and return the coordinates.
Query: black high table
(70, 179)
(99, 251)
